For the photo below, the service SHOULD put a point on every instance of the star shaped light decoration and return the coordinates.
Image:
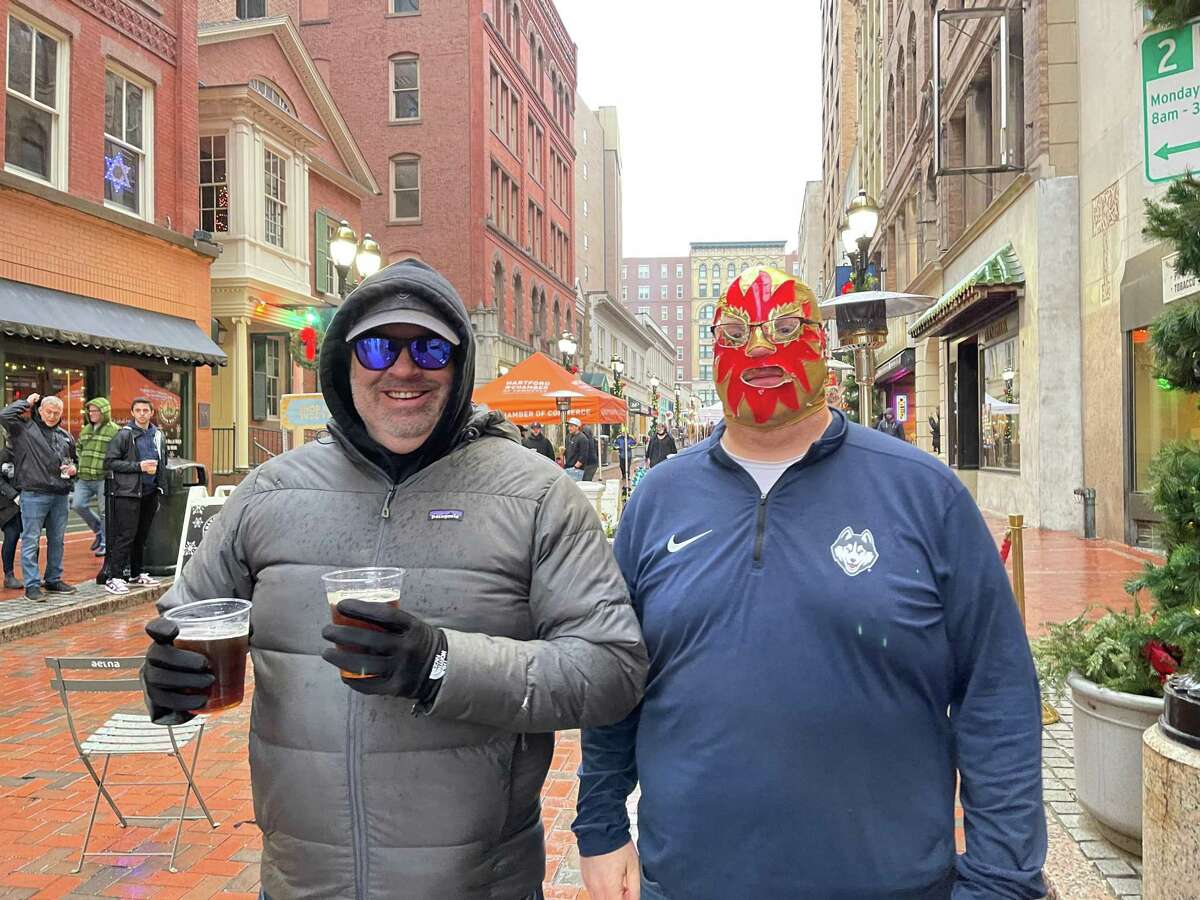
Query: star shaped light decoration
(117, 171)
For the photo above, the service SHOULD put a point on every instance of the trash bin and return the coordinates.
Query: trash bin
(162, 547)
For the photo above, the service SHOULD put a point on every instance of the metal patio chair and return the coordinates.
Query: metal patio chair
(126, 734)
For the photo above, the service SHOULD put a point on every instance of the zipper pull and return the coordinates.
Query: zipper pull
(386, 512)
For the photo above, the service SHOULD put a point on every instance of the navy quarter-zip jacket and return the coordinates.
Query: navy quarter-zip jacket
(824, 660)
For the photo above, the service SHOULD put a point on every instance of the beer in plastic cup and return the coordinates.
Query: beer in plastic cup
(219, 630)
(371, 585)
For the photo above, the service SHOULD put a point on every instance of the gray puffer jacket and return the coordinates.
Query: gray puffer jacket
(356, 795)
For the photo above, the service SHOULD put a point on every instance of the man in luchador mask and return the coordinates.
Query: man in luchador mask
(833, 643)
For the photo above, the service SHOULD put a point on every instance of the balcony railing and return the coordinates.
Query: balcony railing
(264, 444)
(222, 453)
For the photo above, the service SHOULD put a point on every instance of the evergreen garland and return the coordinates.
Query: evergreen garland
(1174, 220)
(1172, 13)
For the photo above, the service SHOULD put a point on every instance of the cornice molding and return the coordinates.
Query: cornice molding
(154, 36)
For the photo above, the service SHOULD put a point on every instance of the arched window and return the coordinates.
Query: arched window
(498, 283)
(732, 271)
(498, 14)
(516, 31)
(272, 93)
(889, 130)
(706, 313)
(508, 24)
(557, 321)
(703, 271)
(541, 71)
(911, 74)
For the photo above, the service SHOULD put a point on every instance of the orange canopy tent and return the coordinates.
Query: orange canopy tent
(522, 395)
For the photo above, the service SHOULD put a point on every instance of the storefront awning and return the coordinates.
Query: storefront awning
(44, 314)
(1002, 269)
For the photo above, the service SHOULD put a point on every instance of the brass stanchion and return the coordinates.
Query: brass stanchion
(1016, 527)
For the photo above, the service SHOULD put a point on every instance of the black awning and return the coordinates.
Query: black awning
(44, 314)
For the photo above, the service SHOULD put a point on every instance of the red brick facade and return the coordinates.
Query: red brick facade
(485, 248)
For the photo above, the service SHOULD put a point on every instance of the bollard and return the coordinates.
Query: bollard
(1015, 540)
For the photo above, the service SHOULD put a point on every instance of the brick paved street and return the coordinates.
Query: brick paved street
(45, 796)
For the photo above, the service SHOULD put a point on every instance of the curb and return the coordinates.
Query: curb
(88, 608)
(1069, 875)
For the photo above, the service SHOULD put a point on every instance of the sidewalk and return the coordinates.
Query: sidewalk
(45, 796)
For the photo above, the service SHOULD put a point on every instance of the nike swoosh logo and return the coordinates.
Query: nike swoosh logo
(673, 547)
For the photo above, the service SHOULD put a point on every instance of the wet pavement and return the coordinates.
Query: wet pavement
(45, 795)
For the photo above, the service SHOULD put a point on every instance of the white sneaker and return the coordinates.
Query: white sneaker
(116, 586)
(145, 579)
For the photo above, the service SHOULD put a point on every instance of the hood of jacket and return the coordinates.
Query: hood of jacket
(460, 420)
(102, 404)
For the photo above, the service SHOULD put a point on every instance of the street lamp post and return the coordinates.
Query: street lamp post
(862, 315)
(345, 250)
(654, 383)
(567, 347)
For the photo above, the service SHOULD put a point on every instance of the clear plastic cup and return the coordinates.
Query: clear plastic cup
(373, 584)
(220, 631)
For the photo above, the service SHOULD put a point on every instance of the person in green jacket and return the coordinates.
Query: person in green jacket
(93, 444)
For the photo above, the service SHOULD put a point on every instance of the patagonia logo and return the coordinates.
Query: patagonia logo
(445, 515)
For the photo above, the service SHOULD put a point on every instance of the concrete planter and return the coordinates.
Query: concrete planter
(1108, 756)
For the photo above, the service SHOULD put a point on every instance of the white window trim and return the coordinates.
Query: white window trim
(391, 93)
(59, 164)
(392, 190)
(228, 180)
(289, 230)
(679, 292)
(146, 201)
(391, 5)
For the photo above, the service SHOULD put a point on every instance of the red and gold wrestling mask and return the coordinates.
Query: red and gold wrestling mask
(770, 350)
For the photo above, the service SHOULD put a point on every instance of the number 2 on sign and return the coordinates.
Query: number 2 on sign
(1165, 66)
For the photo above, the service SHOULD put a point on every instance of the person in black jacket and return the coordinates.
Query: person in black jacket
(660, 447)
(136, 460)
(889, 425)
(10, 519)
(537, 441)
(45, 461)
(592, 460)
(578, 449)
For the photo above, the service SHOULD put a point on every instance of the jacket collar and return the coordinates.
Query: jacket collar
(828, 444)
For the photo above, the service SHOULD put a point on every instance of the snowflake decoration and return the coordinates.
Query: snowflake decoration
(116, 173)
(190, 548)
(197, 520)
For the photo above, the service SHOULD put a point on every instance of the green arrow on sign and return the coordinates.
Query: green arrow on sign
(1166, 151)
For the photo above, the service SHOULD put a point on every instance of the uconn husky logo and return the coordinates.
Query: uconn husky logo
(855, 553)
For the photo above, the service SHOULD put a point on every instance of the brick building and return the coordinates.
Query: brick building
(464, 113)
(660, 287)
(839, 121)
(104, 287)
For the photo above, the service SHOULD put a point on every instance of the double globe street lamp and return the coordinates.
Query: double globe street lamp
(861, 314)
(567, 347)
(345, 250)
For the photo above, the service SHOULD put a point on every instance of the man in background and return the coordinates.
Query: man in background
(45, 461)
(137, 459)
(537, 441)
(94, 438)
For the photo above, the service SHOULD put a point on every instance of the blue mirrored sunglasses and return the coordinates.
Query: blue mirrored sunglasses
(378, 353)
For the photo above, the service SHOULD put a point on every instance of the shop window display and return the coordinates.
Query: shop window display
(1160, 414)
(29, 375)
(163, 389)
(1000, 411)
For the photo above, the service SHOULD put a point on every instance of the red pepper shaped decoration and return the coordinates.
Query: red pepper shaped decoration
(1005, 548)
(1160, 659)
(308, 337)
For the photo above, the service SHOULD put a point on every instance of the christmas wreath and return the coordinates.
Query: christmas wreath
(305, 346)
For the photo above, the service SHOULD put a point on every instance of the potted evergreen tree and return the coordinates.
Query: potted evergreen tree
(1115, 667)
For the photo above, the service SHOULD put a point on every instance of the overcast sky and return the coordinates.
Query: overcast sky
(720, 115)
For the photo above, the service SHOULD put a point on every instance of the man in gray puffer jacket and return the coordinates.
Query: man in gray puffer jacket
(423, 782)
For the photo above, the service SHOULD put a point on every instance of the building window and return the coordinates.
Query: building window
(643, 310)
(663, 313)
(662, 270)
(679, 332)
(624, 294)
(624, 273)
(706, 373)
(643, 272)
(585, 138)
(265, 387)
(587, 270)
(795, 269)
(643, 292)
(406, 188)
(1160, 415)
(251, 9)
(406, 88)
(678, 270)
(706, 351)
(586, 242)
(37, 91)
(585, 207)
(275, 191)
(272, 93)
(679, 373)
(703, 289)
(214, 185)
(127, 128)
(662, 292)
(707, 311)
(999, 422)
(679, 314)
(703, 272)
(534, 150)
(326, 276)
(732, 272)
(406, 7)
(679, 354)
(585, 168)
(679, 292)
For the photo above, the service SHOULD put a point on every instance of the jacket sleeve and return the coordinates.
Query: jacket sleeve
(608, 773)
(114, 456)
(995, 714)
(587, 664)
(220, 567)
(11, 417)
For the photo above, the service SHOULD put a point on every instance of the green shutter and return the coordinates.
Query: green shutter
(322, 245)
(258, 386)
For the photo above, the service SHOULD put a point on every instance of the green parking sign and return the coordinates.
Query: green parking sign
(1170, 103)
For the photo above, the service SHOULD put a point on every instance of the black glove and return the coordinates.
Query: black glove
(400, 656)
(177, 681)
